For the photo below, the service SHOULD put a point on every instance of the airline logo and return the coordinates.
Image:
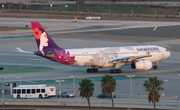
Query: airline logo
(149, 49)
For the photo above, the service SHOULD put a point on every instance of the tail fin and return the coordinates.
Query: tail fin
(43, 40)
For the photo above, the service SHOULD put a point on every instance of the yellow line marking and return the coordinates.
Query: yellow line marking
(155, 28)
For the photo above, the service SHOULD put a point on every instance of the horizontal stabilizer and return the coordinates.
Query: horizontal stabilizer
(22, 51)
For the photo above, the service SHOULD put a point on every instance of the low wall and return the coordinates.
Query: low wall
(50, 103)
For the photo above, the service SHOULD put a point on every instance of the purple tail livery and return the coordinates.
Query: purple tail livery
(48, 48)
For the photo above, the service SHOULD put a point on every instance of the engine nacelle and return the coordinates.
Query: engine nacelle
(142, 65)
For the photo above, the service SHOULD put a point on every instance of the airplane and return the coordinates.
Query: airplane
(139, 57)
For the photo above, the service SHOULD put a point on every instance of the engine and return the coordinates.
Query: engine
(142, 65)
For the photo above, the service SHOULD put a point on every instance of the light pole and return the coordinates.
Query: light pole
(130, 76)
(3, 90)
(51, 6)
(163, 94)
(73, 83)
(2, 6)
(155, 13)
(19, 80)
(2, 68)
(3, 93)
(178, 102)
(59, 89)
(178, 98)
(27, 5)
(110, 11)
(78, 6)
(132, 12)
(88, 10)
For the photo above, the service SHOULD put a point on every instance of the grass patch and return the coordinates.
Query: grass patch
(70, 80)
(15, 37)
(6, 28)
(13, 69)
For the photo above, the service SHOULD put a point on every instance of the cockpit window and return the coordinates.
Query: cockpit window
(167, 51)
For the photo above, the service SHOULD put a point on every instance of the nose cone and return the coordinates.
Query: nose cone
(168, 54)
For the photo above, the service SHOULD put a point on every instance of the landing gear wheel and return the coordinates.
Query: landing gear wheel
(88, 70)
(95, 70)
(155, 67)
(118, 71)
(92, 70)
(115, 71)
(111, 71)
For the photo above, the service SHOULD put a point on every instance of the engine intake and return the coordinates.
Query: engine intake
(142, 65)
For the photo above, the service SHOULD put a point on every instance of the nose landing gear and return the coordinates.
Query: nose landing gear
(155, 65)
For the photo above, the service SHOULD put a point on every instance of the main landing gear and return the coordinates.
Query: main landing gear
(155, 65)
(92, 70)
(115, 71)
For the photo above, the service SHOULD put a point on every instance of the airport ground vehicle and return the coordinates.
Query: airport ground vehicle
(75, 18)
(105, 96)
(34, 91)
(67, 94)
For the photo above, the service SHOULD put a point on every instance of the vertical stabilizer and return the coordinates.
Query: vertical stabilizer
(48, 48)
(43, 40)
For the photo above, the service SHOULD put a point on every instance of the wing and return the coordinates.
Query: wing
(22, 51)
(129, 58)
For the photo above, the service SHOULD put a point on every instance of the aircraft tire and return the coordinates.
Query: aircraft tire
(112, 71)
(118, 71)
(89, 70)
(96, 70)
(155, 67)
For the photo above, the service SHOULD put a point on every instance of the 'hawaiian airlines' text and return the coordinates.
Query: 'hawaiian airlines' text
(150, 49)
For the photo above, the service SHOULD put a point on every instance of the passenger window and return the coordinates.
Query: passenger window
(14, 91)
(42, 90)
(23, 91)
(19, 91)
(28, 91)
(37, 90)
(33, 91)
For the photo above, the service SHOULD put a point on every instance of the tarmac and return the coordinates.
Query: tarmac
(93, 35)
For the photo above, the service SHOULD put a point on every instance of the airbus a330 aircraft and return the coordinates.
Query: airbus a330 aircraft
(140, 57)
